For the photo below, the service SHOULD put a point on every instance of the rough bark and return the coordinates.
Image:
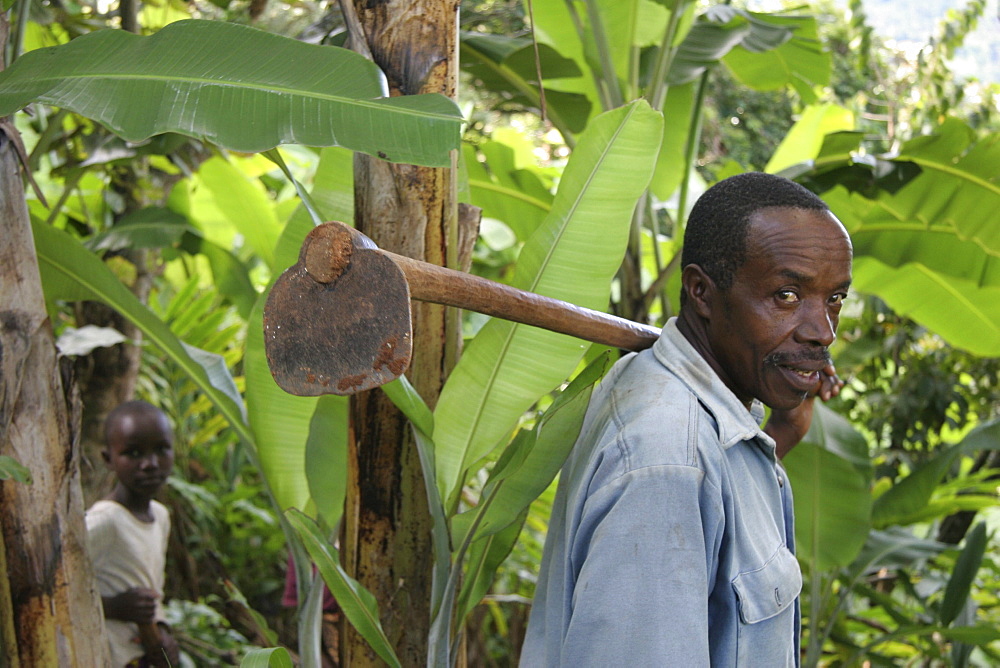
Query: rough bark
(49, 602)
(411, 211)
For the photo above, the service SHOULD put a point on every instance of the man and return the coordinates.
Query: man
(671, 537)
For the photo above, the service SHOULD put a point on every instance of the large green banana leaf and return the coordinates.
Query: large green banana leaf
(763, 51)
(805, 140)
(800, 62)
(632, 25)
(280, 420)
(71, 272)
(357, 603)
(504, 63)
(237, 202)
(966, 566)
(904, 501)
(156, 227)
(517, 197)
(966, 316)
(831, 477)
(531, 461)
(928, 245)
(238, 87)
(957, 190)
(554, 26)
(572, 256)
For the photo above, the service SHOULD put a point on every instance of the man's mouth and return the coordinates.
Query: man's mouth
(806, 373)
(801, 371)
(802, 379)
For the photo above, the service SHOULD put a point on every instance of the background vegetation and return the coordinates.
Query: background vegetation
(155, 253)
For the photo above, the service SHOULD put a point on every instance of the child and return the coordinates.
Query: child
(127, 535)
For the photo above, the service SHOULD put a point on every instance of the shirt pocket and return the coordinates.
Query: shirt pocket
(767, 591)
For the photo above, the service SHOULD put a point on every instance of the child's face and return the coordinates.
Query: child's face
(141, 452)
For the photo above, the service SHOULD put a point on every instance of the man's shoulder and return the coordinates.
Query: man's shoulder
(658, 419)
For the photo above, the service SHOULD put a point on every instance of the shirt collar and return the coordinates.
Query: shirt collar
(734, 422)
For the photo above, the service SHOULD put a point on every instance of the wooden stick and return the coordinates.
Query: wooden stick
(331, 248)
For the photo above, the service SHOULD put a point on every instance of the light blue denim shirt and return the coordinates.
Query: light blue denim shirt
(671, 537)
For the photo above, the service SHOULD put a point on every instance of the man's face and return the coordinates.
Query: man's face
(140, 452)
(770, 331)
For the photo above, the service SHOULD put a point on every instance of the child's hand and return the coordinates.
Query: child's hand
(134, 605)
(168, 653)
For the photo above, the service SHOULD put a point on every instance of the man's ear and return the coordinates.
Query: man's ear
(700, 289)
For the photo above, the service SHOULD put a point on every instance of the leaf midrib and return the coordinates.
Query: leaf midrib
(509, 336)
(189, 366)
(372, 103)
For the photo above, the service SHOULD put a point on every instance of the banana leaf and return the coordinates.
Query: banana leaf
(242, 202)
(831, 477)
(573, 256)
(71, 272)
(504, 63)
(281, 421)
(763, 64)
(156, 227)
(737, 38)
(516, 197)
(235, 86)
(357, 603)
(532, 460)
(925, 225)
(969, 560)
(902, 503)
(271, 657)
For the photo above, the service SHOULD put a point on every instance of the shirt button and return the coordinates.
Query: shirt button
(781, 480)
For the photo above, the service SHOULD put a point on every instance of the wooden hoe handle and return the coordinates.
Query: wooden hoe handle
(329, 252)
(440, 285)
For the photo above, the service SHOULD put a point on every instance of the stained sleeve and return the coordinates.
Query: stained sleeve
(645, 558)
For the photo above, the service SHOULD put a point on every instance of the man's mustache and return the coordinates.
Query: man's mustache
(792, 359)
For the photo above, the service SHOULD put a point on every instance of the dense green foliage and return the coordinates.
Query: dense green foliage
(644, 102)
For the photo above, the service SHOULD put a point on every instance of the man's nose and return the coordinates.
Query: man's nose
(818, 326)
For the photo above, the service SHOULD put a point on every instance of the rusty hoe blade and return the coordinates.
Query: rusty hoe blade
(338, 321)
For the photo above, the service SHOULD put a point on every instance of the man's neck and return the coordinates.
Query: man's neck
(694, 331)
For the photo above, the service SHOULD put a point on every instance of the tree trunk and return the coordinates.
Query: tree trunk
(49, 605)
(411, 211)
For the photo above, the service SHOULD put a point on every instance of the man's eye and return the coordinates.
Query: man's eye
(838, 299)
(787, 296)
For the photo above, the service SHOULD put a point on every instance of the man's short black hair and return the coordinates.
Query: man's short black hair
(716, 235)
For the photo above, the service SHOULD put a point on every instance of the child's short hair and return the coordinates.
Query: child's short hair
(135, 407)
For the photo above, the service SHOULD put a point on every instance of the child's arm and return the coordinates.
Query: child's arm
(160, 647)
